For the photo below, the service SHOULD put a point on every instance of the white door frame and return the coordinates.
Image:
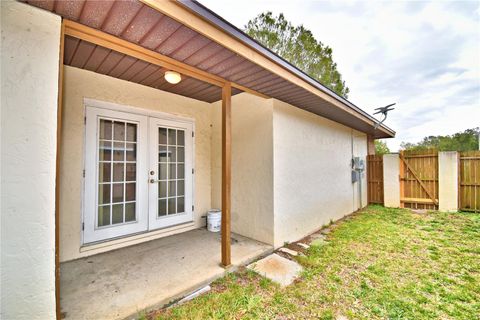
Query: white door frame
(146, 218)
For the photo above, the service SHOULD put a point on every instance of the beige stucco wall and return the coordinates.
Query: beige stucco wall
(29, 82)
(252, 165)
(312, 171)
(277, 151)
(81, 83)
(448, 181)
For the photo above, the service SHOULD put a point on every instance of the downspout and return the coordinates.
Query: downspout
(351, 165)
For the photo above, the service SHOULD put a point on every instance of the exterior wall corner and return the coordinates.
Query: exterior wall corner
(30, 54)
(391, 180)
(448, 181)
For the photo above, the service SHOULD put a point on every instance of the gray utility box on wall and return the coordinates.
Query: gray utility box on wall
(358, 166)
(355, 176)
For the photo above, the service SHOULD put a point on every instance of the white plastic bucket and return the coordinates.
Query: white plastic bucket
(214, 220)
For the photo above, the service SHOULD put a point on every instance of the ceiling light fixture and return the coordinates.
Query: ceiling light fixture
(173, 77)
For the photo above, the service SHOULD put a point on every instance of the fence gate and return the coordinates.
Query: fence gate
(375, 178)
(419, 179)
(469, 181)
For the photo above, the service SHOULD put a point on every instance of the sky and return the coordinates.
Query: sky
(424, 56)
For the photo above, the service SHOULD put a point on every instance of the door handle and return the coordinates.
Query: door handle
(152, 173)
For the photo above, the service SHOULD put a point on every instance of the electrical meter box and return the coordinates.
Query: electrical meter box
(358, 164)
(355, 176)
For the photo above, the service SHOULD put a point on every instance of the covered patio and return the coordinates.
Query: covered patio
(123, 282)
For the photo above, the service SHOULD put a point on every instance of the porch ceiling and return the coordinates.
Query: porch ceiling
(133, 21)
(85, 55)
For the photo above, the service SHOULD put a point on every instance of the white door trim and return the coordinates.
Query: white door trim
(146, 221)
(136, 110)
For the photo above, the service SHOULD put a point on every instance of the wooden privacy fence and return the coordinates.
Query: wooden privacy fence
(469, 181)
(419, 179)
(375, 178)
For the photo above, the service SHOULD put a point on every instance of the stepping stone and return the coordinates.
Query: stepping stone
(303, 245)
(318, 242)
(277, 268)
(420, 211)
(288, 251)
(318, 236)
(325, 231)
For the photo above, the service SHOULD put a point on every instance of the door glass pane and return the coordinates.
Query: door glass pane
(171, 171)
(162, 189)
(105, 173)
(131, 171)
(172, 137)
(119, 131)
(181, 154)
(118, 170)
(105, 151)
(130, 211)
(171, 206)
(180, 171)
(162, 154)
(117, 213)
(118, 151)
(180, 187)
(103, 215)
(162, 207)
(131, 151)
(131, 132)
(172, 188)
(130, 190)
(180, 137)
(180, 204)
(117, 194)
(104, 194)
(172, 154)
(162, 136)
(117, 156)
(105, 129)
(162, 171)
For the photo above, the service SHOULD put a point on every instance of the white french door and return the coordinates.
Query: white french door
(138, 173)
(171, 148)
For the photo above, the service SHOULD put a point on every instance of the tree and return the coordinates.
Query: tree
(298, 46)
(460, 141)
(381, 147)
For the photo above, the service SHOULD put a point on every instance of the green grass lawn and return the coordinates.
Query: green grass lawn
(377, 264)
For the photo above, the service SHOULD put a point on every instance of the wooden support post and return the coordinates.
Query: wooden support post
(226, 171)
(57, 172)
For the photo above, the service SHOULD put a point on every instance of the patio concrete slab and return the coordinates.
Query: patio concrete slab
(277, 268)
(121, 283)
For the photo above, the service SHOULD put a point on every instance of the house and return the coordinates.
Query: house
(106, 156)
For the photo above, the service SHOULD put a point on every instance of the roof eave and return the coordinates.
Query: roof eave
(233, 31)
